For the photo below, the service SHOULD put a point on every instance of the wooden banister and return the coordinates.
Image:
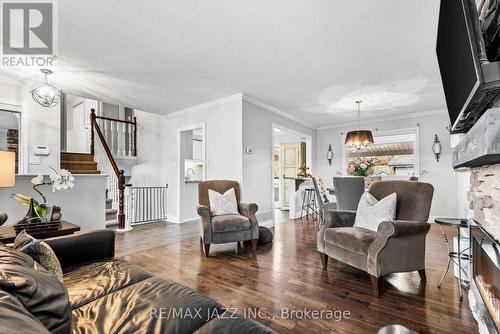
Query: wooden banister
(120, 174)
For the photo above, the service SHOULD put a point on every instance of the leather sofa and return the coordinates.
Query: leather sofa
(103, 294)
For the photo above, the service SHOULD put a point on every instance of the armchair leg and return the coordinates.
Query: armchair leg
(206, 248)
(324, 260)
(376, 284)
(423, 277)
(254, 245)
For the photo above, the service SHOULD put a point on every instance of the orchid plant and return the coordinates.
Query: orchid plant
(59, 180)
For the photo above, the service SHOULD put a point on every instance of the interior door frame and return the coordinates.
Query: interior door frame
(309, 160)
(23, 147)
(180, 166)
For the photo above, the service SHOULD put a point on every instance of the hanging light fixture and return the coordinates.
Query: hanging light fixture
(358, 140)
(44, 93)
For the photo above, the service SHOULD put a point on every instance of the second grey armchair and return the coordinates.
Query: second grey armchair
(397, 246)
(226, 228)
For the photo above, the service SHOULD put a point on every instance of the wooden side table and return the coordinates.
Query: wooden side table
(8, 235)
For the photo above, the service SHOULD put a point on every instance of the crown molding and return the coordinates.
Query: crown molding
(213, 103)
(275, 110)
(383, 119)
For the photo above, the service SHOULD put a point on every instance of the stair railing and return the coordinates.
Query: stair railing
(104, 158)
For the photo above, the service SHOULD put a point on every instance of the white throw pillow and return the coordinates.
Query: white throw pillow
(372, 212)
(223, 204)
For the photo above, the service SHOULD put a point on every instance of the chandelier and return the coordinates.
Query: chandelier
(358, 140)
(44, 93)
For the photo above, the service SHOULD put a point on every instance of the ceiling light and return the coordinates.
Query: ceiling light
(44, 93)
(358, 140)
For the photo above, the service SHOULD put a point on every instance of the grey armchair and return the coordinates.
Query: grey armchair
(397, 246)
(226, 228)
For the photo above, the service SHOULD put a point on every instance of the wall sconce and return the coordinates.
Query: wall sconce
(436, 147)
(329, 154)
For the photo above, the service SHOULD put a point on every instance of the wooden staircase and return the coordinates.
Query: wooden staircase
(79, 163)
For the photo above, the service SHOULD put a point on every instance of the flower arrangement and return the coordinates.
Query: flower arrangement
(59, 180)
(361, 167)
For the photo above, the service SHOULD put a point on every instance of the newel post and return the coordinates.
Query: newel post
(121, 200)
(92, 120)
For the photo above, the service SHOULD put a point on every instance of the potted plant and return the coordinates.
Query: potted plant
(59, 180)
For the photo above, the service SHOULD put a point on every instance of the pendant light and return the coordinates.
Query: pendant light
(358, 140)
(44, 93)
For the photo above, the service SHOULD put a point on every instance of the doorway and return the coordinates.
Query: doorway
(75, 123)
(191, 155)
(10, 137)
(291, 153)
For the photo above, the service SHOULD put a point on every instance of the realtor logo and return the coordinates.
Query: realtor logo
(28, 30)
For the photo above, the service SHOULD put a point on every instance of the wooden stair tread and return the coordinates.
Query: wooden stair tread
(69, 156)
(109, 211)
(85, 171)
(75, 162)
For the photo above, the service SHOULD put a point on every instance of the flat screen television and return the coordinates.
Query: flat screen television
(470, 75)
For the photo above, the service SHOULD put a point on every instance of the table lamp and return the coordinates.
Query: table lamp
(7, 175)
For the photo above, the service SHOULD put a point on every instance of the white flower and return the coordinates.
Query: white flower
(364, 166)
(37, 180)
(62, 180)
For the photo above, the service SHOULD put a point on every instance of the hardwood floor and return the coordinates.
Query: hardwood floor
(288, 274)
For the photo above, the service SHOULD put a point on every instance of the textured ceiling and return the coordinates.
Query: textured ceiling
(310, 59)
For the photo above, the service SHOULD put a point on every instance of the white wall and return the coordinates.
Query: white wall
(440, 174)
(148, 169)
(84, 205)
(41, 124)
(223, 133)
(257, 167)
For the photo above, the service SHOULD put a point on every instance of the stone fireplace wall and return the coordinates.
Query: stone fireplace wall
(484, 198)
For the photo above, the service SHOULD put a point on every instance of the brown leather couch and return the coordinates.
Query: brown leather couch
(102, 294)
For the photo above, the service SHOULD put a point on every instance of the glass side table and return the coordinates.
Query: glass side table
(455, 256)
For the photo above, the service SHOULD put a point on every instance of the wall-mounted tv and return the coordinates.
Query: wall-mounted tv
(468, 52)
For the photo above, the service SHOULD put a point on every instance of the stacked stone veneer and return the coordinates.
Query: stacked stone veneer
(484, 197)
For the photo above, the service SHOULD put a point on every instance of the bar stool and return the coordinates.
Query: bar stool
(309, 203)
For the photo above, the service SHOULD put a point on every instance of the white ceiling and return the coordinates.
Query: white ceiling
(309, 58)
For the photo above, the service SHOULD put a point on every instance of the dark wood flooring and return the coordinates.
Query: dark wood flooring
(288, 274)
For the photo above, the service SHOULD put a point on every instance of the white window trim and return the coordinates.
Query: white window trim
(23, 148)
(416, 151)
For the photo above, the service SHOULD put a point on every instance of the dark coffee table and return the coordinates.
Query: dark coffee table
(8, 235)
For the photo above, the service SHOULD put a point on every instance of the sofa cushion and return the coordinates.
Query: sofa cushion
(39, 251)
(229, 324)
(92, 281)
(223, 204)
(230, 223)
(40, 292)
(154, 305)
(15, 317)
(354, 239)
(372, 212)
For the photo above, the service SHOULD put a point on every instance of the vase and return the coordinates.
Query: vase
(30, 215)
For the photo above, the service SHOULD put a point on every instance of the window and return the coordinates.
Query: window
(394, 154)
